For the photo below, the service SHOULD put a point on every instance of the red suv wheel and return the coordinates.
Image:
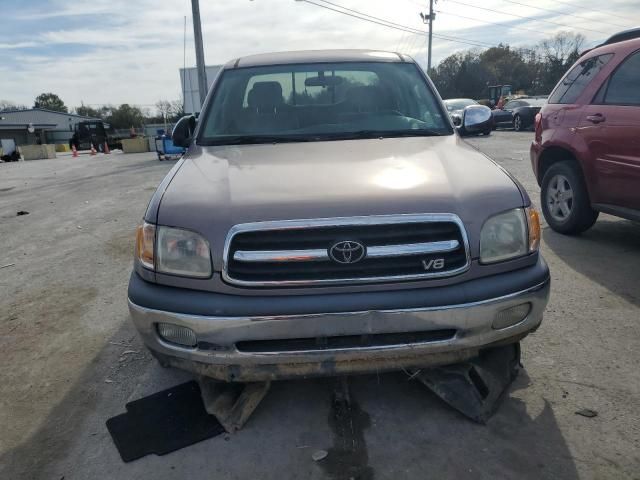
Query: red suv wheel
(565, 201)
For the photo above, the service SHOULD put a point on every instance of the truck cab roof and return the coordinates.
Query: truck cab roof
(317, 56)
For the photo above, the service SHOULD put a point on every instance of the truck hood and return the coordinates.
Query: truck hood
(218, 187)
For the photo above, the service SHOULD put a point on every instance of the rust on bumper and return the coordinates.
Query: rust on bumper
(286, 371)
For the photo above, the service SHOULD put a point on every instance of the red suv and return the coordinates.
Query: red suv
(586, 152)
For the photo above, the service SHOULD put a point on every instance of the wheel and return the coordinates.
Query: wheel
(518, 124)
(565, 200)
(487, 132)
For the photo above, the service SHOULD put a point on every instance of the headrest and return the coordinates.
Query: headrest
(265, 94)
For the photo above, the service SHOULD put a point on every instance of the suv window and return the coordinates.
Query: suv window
(574, 83)
(624, 85)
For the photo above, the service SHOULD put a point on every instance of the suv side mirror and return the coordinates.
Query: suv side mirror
(183, 131)
(475, 119)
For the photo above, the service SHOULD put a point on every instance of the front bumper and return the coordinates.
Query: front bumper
(461, 307)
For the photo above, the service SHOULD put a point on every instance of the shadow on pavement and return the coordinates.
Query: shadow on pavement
(36, 457)
(608, 253)
(415, 435)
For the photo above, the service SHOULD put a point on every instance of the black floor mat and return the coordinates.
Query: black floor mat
(162, 423)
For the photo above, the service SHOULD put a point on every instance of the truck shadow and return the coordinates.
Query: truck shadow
(415, 435)
(608, 253)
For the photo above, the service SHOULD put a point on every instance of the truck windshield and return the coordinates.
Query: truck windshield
(315, 102)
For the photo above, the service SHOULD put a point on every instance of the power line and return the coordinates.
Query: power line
(563, 13)
(526, 18)
(498, 24)
(389, 24)
(593, 10)
(412, 29)
(412, 45)
(400, 41)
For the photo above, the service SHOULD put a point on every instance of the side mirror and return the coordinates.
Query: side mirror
(475, 119)
(183, 131)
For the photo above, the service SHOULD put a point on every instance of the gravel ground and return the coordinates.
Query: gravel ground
(66, 344)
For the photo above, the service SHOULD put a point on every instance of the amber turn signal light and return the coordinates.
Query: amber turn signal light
(145, 239)
(533, 222)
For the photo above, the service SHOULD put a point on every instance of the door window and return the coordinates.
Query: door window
(624, 85)
(574, 83)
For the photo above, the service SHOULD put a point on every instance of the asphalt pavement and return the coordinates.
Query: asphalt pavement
(71, 358)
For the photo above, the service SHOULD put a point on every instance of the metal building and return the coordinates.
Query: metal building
(192, 101)
(38, 125)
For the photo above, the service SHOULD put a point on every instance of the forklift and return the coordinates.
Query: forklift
(497, 91)
(93, 132)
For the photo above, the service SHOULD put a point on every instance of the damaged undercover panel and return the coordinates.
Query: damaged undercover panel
(475, 388)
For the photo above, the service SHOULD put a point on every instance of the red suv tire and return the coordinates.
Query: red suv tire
(565, 200)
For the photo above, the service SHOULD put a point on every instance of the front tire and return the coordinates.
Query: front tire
(518, 125)
(565, 201)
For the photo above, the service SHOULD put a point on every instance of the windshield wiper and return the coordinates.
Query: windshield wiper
(385, 134)
(257, 139)
(319, 137)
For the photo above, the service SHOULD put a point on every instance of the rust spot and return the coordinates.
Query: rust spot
(340, 364)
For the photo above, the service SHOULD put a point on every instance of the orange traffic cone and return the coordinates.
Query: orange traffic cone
(93, 150)
(74, 151)
(106, 148)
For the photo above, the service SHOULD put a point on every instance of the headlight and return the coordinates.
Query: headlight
(510, 234)
(173, 250)
(182, 252)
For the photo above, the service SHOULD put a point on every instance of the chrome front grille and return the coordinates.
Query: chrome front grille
(346, 250)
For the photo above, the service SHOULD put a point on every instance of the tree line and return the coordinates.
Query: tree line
(533, 70)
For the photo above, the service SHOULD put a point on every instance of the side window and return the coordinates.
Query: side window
(512, 104)
(624, 85)
(574, 83)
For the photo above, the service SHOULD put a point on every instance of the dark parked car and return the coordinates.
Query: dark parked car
(327, 219)
(586, 152)
(456, 106)
(519, 113)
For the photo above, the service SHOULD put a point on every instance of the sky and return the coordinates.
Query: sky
(129, 51)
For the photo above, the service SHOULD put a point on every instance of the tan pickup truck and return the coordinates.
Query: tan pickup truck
(328, 218)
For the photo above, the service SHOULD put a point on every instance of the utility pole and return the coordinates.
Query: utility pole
(429, 19)
(197, 37)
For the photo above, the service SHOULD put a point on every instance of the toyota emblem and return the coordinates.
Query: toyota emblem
(347, 251)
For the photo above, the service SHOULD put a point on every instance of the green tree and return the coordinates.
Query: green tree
(50, 101)
(87, 111)
(533, 71)
(125, 116)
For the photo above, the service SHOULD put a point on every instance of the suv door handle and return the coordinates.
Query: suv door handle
(596, 118)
